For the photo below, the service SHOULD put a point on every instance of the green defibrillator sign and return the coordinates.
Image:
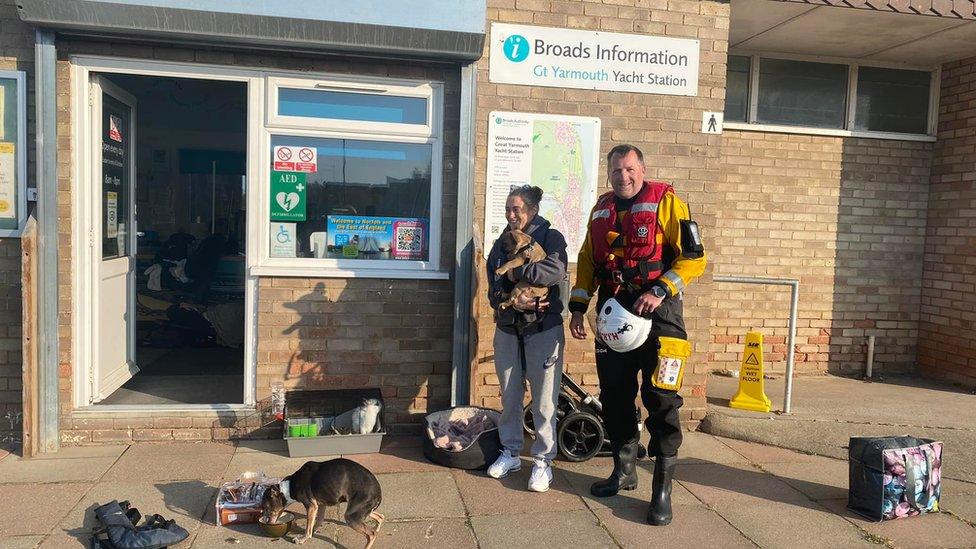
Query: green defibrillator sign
(288, 196)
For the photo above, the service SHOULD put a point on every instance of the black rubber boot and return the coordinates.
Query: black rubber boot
(660, 512)
(624, 475)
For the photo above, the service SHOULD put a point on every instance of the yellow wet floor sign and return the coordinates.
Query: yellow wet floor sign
(751, 395)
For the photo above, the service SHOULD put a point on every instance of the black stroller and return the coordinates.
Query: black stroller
(580, 434)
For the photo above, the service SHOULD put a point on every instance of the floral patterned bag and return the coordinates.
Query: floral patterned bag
(894, 477)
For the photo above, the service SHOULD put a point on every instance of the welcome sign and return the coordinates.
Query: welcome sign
(567, 58)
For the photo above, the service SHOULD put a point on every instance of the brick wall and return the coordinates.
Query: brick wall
(665, 127)
(313, 333)
(947, 334)
(16, 53)
(845, 216)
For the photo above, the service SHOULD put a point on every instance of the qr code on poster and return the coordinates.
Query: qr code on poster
(409, 240)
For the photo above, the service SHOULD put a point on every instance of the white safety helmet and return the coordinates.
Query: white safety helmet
(620, 329)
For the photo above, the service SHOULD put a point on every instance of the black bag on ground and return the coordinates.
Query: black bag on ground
(894, 477)
(478, 454)
(117, 530)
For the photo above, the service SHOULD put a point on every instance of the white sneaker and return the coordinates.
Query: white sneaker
(541, 477)
(505, 464)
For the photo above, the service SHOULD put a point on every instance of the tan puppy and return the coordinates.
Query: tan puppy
(522, 250)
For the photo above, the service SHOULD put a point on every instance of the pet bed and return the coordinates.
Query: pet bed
(479, 452)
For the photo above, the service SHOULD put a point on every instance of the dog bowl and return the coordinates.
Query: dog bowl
(279, 528)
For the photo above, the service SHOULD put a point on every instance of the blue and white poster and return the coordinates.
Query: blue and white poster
(372, 237)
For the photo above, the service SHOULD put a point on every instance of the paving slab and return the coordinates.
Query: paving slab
(275, 465)
(484, 495)
(818, 478)
(581, 479)
(717, 482)
(250, 535)
(930, 530)
(693, 527)
(702, 447)
(184, 501)
(14, 469)
(73, 452)
(420, 496)
(442, 533)
(774, 525)
(409, 459)
(35, 508)
(180, 448)
(192, 463)
(556, 530)
(763, 453)
(20, 542)
(962, 505)
(950, 486)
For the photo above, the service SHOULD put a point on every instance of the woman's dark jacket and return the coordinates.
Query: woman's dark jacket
(549, 272)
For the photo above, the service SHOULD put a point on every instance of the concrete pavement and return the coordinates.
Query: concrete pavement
(828, 410)
(728, 494)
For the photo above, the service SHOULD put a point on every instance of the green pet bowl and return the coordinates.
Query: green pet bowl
(279, 528)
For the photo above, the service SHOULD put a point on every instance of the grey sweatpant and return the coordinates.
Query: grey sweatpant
(543, 370)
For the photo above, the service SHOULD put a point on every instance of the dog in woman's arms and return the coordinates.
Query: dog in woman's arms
(522, 249)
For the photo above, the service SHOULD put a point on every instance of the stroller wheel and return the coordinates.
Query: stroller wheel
(565, 405)
(580, 436)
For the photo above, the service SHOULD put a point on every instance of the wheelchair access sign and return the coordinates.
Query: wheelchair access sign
(288, 196)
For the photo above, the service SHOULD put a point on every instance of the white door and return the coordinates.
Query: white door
(113, 237)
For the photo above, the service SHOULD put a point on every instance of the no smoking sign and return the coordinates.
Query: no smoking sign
(296, 159)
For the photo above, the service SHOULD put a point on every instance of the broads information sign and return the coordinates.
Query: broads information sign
(567, 58)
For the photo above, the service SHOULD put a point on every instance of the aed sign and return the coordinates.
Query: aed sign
(589, 60)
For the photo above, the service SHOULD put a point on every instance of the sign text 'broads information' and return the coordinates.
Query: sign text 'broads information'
(566, 58)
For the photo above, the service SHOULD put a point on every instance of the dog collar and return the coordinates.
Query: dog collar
(285, 487)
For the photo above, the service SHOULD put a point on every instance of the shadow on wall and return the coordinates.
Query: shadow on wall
(880, 245)
(845, 216)
(393, 335)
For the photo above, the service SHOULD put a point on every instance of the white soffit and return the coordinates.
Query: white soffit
(765, 26)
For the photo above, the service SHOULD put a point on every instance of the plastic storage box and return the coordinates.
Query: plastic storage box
(308, 415)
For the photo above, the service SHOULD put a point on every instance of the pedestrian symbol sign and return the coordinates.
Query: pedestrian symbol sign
(712, 122)
(751, 394)
(288, 196)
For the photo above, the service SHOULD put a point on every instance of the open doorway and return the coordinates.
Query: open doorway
(172, 199)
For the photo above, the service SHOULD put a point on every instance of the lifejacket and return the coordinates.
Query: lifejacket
(639, 233)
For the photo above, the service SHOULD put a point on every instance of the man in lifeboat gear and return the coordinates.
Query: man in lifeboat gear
(641, 250)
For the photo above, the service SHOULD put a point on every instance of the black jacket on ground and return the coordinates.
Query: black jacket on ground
(549, 272)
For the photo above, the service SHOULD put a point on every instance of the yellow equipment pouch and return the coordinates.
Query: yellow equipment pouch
(672, 354)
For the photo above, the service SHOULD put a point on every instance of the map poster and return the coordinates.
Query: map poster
(560, 154)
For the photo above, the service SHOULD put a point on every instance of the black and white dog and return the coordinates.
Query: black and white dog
(321, 484)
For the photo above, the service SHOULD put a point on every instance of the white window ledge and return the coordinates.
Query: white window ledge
(319, 272)
(805, 130)
(161, 410)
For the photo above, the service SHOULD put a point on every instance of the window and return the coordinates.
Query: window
(832, 98)
(355, 176)
(352, 106)
(737, 89)
(800, 93)
(892, 100)
(364, 199)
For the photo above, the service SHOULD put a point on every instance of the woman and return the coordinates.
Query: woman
(528, 339)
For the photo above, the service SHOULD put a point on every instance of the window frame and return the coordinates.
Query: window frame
(322, 128)
(852, 65)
